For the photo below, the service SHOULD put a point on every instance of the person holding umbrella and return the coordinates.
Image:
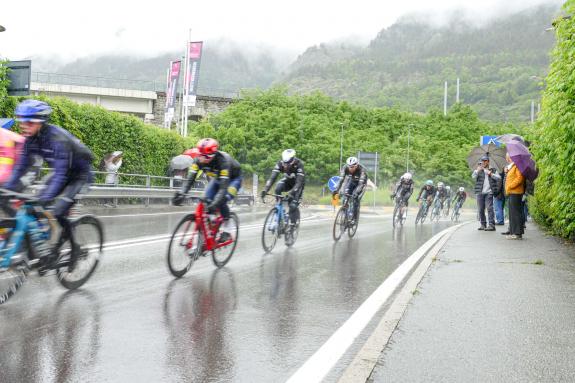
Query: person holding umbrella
(514, 188)
(487, 183)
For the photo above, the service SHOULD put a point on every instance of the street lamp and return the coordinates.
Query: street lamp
(408, 145)
(340, 145)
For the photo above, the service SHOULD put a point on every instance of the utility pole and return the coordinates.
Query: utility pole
(408, 144)
(457, 94)
(340, 146)
(445, 99)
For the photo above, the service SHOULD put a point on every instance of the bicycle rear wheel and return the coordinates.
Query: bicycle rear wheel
(10, 281)
(222, 253)
(270, 232)
(88, 235)
(339, 223)
(186, 245)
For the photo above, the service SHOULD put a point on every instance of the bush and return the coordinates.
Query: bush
(554, 136)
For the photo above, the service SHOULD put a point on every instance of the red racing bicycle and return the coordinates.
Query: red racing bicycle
(199, 234)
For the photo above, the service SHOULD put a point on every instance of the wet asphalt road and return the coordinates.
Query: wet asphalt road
(257, 319)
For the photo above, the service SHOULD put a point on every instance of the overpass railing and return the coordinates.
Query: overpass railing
(116, 83)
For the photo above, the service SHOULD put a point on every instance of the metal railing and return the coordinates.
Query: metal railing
(116, 83)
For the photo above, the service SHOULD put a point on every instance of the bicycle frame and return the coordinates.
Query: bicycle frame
(24, 222)
(208, 229)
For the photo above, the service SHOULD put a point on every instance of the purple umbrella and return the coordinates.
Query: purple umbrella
(522, 159)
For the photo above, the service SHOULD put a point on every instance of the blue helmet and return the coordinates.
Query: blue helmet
(33, 111)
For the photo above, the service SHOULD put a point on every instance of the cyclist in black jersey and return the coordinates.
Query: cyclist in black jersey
(427, 192)
(225, 177)
(404, 190)
(355, 177)
(293, 181)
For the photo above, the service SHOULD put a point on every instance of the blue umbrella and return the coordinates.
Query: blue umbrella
(6, 123)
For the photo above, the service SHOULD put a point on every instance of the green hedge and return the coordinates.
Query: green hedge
(147, 149)
(554, 136)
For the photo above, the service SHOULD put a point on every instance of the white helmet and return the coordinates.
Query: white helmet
(440, 185)
(461, 189)
(352, 161)
(448, 187)
(407, 176)
(288, 155)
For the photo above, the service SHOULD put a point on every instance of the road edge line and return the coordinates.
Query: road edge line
(318, 366)
(363, 364)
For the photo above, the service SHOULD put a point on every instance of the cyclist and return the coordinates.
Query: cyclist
(459, 197)
(449, 196)
(404, 190)
(65, 154)
(441, 195)
(355, 177)
(10, 146)
(293, 181)
(427, 192)
(225, 180)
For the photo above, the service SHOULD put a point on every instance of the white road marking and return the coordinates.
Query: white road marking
(324, 359)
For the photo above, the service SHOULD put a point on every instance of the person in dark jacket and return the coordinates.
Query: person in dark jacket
(293, 181)
(355, 177)
(69, 159)
(499, 201)
(487, 183)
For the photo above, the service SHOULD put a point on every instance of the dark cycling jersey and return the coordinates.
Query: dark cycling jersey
(441, 193)
(63, 152)
(223, 168)
(460, 196)
(292, 170)
(359, 177)
(404, 187)
(428, 190)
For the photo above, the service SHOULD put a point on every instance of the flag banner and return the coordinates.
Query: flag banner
(171, 92)
(193, 71)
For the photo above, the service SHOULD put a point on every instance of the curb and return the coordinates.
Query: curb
(362, 366)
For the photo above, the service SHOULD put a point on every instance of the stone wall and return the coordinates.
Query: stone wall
(204, 105)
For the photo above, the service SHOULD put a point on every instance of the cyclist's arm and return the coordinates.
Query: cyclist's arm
(195, 170)
(23, 163)
(299, 179)
(63, 157)
(275, 173)
(224, 180)
(340, 182)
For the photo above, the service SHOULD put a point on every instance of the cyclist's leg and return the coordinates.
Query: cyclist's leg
(358, 192)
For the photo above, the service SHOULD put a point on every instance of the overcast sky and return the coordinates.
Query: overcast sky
(70, 28)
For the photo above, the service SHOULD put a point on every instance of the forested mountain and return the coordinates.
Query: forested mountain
(500, 63)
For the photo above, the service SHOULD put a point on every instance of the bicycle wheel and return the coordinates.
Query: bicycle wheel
(186, 245)
(88, 234)
(353, 229)
(339, 224)
(223, 252)
(396, 213)
(11, 280)
(270, 232)
(292, 234)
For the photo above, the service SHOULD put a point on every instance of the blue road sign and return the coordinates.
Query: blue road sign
(484, 140)
(332, 183)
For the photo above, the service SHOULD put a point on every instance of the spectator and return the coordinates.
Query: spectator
(486, 185)
(499, 200)
(514, 188)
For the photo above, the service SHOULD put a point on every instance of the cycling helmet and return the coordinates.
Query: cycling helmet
(207, 147)
(32, 111)
(407, 176)
(440, 185)
(461, 189)
(352, 161)
(429, 183)
(448, 187)
(288, 155)
(193, 152)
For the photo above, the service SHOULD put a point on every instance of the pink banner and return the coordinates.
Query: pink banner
(194, 55)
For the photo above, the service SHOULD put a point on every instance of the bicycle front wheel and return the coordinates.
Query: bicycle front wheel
(353, 229)
(396, 212)
(88, 234)
(339, 224)
(224, 251)
(186, 245)
(292, 233)
(270, 232)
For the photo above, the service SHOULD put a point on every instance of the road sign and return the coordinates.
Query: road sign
(332, 183)
(20, 75)
(485, 140)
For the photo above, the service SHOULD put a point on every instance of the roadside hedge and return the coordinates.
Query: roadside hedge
(554, 136)
(147, 148)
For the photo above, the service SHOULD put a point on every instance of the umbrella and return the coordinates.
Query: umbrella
(523, 160)
(181, 162)
(509, 137)
(496, 156)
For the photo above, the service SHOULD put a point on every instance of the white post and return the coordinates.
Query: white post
(445, 99)
(532, 111)
(375, 179)
(538, 108)
(408, 139)
(457, 94)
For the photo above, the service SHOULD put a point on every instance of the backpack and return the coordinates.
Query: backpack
(530, 187)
